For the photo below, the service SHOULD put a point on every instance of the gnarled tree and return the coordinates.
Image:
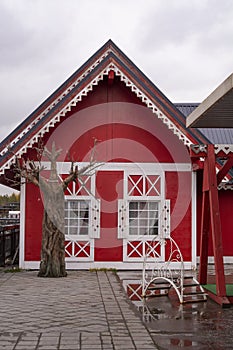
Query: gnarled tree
(53, 238)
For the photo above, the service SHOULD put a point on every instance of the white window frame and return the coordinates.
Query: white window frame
(123, 204)
(123, 220)
(94, 218)
(69, 218)
(137, 236)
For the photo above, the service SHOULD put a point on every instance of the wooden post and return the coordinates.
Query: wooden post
(215, 223)
(210, 218)
(205, 227)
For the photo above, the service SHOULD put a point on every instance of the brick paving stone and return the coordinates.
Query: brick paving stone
(47, 347)
(85, 310)
(69, 347)
(5, 343)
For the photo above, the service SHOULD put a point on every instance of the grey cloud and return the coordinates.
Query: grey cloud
(175, 23)
(13, 37)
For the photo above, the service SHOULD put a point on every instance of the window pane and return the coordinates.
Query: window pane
(74, 205)
(143, 231)
(84, 213)
(153, 231)
(73, 222)
(84, 205)
(133, 206)
(143, 218)
(142, 205)
(133, 214)
(76, 217)
(83, 231)
(73, 230)
(133, 230)
(153, 205)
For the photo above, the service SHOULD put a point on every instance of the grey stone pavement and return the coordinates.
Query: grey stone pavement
(85, 310)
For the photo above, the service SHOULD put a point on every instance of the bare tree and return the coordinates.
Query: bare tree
(53, 238)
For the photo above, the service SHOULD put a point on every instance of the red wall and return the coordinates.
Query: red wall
(109, 188)
(125, 131)
(226, 214)
(33, 225)
(178, 190)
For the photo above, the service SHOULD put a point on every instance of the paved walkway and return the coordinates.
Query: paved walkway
(85, 310)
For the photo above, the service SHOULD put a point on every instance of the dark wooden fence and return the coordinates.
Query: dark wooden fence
(9, 243)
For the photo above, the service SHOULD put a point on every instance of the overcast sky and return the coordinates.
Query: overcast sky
(184, 46)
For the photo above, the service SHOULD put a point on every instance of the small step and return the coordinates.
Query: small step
(194, 301)
(190, 285)
(195, 293)
(185, 278)
(188, 277)
(159, 287)
(160, 281)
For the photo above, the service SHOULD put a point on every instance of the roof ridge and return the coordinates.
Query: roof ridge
(108, 57)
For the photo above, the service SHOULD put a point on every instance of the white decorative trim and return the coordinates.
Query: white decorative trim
(225, 186)
(140, 246)
(225, 148)
(55, 102)
(151, 105)
(95, 218)
(144, 170)
(81, 246)
(165, 228)
(135, 288)
(123, 218)
(77, 99)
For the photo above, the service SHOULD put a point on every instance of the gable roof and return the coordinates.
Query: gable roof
(216, 110)
(108, 58)
(215, 135)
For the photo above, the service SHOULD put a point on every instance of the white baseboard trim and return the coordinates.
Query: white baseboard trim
(34, 265)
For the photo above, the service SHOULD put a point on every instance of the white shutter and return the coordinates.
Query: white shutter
(123, 222)
(95, 218)
(165, 219)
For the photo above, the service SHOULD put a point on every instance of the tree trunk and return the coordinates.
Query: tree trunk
(53, 229)
(53, 238)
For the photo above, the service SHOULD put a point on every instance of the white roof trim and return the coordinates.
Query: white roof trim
(225, 148)
(150, 104)
(55, 102)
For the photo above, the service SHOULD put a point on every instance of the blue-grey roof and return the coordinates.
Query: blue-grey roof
(215, 135)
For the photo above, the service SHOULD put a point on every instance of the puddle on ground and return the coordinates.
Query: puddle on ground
(202, 325)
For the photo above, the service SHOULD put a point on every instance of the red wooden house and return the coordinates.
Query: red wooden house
(146, 183)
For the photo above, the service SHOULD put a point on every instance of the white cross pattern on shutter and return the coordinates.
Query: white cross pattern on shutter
(95, 218)
(123, 212)
(165, 219)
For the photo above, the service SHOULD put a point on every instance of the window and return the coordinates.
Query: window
(143, 218)
(77, 217)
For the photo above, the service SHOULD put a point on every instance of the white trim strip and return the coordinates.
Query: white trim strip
(34, 265)
(149, 168)
(22, 225)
